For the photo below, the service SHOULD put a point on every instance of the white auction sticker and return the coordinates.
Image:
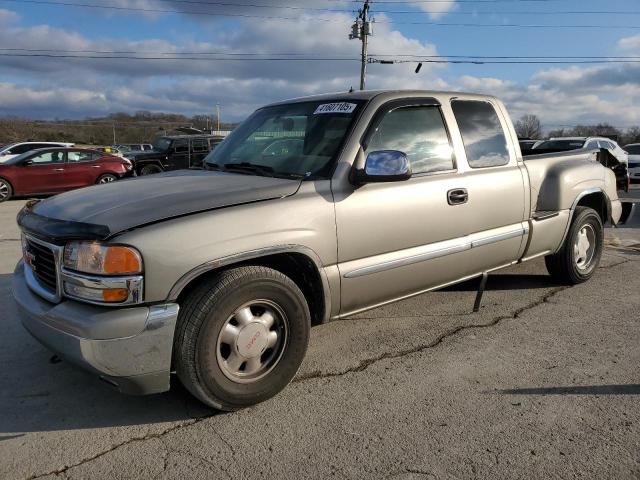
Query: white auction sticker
(342, 107)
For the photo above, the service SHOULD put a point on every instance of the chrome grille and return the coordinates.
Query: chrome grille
(43, 265)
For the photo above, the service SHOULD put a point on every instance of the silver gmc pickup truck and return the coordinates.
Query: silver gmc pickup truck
(313, 209)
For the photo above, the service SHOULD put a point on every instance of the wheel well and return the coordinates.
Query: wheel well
(155, 163)
(297, 266)
(13, 190)
(598, 202)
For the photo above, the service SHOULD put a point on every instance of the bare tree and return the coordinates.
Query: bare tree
(529, 126)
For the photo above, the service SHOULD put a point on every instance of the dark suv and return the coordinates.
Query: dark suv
(174, 153)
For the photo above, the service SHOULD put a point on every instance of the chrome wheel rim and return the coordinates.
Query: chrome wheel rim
(251, 341)
(584, 247)
(4, 191)
(107, 179)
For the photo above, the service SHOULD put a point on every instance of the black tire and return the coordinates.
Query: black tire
(106, 178)
(563, 265)
(208, 308)
(150, 169)
(6, 191)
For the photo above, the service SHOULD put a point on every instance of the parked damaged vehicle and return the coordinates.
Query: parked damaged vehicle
(611, 154)
(53, 170)
(174, 153)
(313, 209)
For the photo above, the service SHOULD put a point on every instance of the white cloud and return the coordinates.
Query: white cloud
(630, 43)
(75, 87)
(195, 86)
(8, 17)
(569, 96)
(438, 9)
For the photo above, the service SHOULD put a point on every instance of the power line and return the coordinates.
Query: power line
(320, 59)
(318, 56)
(132, 57)
(412, 2)
(329, 20)
(339, 10)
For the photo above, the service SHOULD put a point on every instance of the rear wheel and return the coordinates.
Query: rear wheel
(579, 256)
(106, 178)
(5, 190)
(150, 169)
(241, 337)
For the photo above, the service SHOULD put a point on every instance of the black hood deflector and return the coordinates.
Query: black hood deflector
(102, 211)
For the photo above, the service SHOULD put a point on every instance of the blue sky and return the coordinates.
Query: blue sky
(73, 88)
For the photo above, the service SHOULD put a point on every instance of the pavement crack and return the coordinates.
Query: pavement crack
(364, 364)
(149, 436)
(231, 449)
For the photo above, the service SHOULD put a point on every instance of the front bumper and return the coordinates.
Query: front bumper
(129, 348)
(616, 211)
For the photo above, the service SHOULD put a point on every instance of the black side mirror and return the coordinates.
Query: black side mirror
(26, 163)
(383, 166)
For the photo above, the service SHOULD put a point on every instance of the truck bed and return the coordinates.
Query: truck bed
(602, 156)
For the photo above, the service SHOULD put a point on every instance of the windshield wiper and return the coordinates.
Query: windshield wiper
(251, 168)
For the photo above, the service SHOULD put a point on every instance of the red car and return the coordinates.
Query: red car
(54, 170)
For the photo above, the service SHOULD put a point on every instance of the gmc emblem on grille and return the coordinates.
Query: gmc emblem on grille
(29, 259)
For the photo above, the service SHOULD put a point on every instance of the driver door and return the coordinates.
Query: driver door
(43, 173)
(179, 156)
(399, 238)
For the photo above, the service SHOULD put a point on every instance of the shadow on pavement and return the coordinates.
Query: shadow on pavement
(505, 281)
(633, 389)
(37, 395)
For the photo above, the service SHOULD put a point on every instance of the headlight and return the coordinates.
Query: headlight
(102, 274)
(99, 259)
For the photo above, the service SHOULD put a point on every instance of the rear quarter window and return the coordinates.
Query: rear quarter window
(484, 141)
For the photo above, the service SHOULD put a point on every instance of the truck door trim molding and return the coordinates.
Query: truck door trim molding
(442, 249)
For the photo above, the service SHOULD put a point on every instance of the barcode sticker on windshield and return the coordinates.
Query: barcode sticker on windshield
(342, 107)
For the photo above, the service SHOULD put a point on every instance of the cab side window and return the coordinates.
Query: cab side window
(482, 134)
(199, 145)
(76, 157)
(47, 158)
(420, 133)
(181, 146)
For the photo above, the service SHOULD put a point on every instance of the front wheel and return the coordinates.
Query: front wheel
(106, 178)
(5, 190)
(579, 256)
(150, 169)
(241, 337)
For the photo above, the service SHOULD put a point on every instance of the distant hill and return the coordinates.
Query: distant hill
(139, 127)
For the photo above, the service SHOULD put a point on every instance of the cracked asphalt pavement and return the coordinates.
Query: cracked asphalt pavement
(543, 382)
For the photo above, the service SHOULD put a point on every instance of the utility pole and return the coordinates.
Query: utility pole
(361, 30)
(218, 116)
(114, 133)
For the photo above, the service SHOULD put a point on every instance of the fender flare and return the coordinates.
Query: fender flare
(215, 264)
(572, 210)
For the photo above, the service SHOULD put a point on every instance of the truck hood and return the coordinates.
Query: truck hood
(102, 211)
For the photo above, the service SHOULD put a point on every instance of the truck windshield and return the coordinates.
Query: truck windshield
(295, 140)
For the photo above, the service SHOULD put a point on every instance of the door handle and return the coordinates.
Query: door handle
(96, 166)
(58, 169)
(457, 196)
